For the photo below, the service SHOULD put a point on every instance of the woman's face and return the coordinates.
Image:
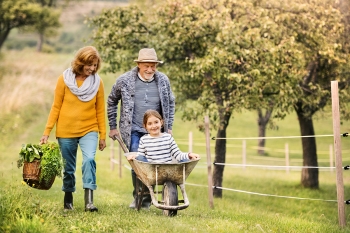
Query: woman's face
(153, 126)
(90, 68)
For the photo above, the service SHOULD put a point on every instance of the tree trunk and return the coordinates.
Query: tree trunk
(262, 122)
(3, 36)
(220, 157)
(309, 176)
(39, 45)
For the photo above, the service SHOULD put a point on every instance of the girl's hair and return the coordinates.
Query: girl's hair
(150, 113)
(85, 56)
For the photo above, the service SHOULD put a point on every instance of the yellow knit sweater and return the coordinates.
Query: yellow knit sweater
(74, 118)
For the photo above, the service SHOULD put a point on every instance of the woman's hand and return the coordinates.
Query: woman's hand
(193, 156)
(102, 144)
(43, 139)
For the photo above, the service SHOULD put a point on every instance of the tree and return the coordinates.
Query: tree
(48, 21)
(229, 55)
(16, 14)
(47, 25)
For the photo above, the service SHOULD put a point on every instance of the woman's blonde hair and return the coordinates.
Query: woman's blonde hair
(85, 56)
(150, 113)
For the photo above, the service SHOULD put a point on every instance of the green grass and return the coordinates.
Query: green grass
(24, 209)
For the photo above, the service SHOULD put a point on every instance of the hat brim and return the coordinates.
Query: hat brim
(153, 61)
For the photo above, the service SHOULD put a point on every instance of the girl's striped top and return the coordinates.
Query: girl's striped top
(160, 149)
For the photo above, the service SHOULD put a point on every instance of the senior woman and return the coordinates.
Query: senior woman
(78, 110)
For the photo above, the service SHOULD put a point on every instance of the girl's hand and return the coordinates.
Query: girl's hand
(131, 156)
(193, 156)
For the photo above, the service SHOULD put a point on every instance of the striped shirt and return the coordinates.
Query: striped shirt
(160, 149)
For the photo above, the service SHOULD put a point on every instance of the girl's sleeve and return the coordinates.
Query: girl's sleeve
(175, 151)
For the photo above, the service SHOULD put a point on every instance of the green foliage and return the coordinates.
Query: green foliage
(51, 162)
(47, 22)
(238, 59)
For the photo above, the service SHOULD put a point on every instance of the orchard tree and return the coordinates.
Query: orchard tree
(16, 14)
(229, 55)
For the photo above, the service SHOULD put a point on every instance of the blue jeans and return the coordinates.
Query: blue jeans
(69, 147)
(135, 141)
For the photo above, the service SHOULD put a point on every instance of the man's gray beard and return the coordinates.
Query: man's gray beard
(148, 76)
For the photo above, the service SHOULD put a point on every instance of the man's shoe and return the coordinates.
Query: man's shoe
(133, 204)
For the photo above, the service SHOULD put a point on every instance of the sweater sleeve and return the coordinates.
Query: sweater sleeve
(100, 111)
(56, 106)
(112, 104)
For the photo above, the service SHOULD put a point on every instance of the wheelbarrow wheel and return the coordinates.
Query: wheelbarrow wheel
(170, 197)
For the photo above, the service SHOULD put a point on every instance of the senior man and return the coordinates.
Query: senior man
(140, 89)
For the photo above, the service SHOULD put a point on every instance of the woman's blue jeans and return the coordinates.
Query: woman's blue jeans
(69, 147)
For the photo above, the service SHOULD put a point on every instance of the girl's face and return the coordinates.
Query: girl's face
(153, 126)
(88, 69)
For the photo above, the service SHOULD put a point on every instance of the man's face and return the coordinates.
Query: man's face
(147, 69)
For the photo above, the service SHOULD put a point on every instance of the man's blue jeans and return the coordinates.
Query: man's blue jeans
(69, 147)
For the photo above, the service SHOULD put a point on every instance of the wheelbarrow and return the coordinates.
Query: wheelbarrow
(169, 175)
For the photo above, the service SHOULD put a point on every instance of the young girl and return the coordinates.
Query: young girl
(158, 147)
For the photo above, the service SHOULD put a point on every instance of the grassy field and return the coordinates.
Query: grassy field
(256, 199)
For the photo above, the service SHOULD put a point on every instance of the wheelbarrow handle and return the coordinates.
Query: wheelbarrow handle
(121, 143)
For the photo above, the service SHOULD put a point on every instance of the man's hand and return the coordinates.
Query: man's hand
(113, 133)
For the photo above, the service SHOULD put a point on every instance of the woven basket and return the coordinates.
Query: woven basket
(31, 174)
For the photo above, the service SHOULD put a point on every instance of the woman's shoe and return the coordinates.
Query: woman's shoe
(89, 197)
(68, 201)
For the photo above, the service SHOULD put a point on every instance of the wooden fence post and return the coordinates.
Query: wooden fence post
(338, 156)
(244, 154)
(331, 162)
(112, 155)
(286, 148)
(120, 161)
(190, 140)
(210, 180)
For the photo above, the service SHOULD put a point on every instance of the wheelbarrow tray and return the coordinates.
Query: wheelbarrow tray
(157, 173)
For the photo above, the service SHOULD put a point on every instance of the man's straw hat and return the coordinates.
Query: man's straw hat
(148, 55)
